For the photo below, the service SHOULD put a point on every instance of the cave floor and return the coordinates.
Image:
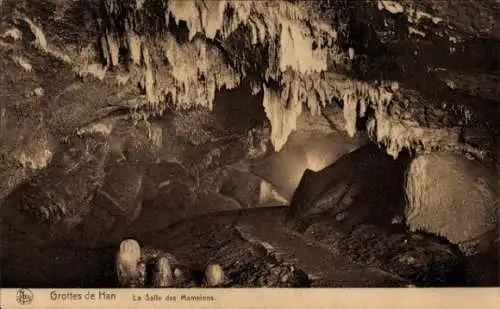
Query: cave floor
(253, 246)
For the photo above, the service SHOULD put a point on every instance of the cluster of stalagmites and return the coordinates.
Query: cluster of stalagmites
(132, 262)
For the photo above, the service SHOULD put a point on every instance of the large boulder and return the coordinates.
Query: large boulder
(455, 197)
(365, 185)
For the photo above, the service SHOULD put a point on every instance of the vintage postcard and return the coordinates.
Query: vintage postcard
(249, 154)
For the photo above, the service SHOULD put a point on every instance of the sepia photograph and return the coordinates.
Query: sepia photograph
(197, 144)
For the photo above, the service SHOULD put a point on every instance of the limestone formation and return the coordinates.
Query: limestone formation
(63, 192)
(162, 274)
(214, 276)
(452, 196)
(121, 119)
(128, 269)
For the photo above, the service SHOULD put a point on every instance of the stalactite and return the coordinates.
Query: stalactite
(282, 109)
(350, 113)
(297, 46)
(188, 12)
(362, 107)
(398, 134)
(148, 80)
(105, 50)
(198, 70)
(134, 46)
(296, 50)
(113, 48)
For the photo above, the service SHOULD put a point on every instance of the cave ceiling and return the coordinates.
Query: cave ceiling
(423, 74)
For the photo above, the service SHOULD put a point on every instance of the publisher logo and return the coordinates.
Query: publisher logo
(24, 296)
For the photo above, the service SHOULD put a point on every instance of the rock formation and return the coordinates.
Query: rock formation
(121, 119)
(454, 197)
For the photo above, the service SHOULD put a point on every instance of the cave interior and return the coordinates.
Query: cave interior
(289, 143)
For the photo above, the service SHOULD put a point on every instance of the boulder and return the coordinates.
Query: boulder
(365, 185)
(452, 196)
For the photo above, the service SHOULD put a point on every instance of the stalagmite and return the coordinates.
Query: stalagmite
(214, 276)
(163, 276)
(108, 124)
(127, 264)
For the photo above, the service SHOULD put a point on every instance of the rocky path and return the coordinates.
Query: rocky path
(322, 265)
(262, 232)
